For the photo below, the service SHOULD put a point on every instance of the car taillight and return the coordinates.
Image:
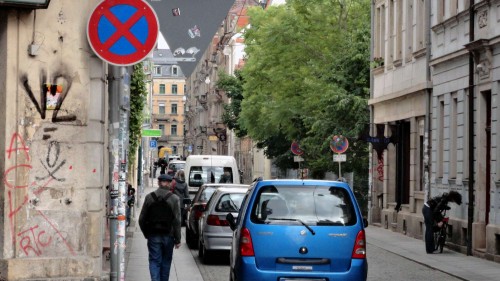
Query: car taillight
(214, 220)
(359, 251)
(246, 245)
(198, 210)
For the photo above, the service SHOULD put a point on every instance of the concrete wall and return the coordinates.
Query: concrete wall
(52, 158)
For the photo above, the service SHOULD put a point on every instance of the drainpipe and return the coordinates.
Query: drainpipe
(427, 123)
(370, 153)
(470, 215)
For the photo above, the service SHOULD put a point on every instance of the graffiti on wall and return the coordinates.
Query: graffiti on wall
(380, 169)
(44, 232)
(52, 95)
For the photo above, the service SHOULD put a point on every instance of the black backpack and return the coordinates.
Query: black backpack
(160, 215)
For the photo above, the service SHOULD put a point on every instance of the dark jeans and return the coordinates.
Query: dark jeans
(161, 249)
(429, 229)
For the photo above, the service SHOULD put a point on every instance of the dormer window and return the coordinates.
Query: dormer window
(175, 70)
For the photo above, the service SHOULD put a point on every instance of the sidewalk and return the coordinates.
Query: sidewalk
(183, 265)
(454, 263)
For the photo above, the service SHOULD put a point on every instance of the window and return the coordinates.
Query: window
(185, 88)
(162, 88)
(162, 129)
(440, 139)
(409, 31)
(420, 26)
(157, 70)
(173, 108)
(173, 130)
(453, 136)
(161, 108)
(175, 71)
(399, 29)
(332, 206)
(174, 89)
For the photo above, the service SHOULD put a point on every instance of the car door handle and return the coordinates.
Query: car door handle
(302, 261)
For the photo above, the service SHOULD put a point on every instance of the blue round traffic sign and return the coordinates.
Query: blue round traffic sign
(339, 144)
(123, 32)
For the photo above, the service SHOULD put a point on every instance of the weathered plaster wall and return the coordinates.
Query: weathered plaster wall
(52, 128)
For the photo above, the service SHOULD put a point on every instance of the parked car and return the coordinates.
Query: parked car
(203, 169)
(197, 207)
(215, 234)
(298, 230)
(174, 166)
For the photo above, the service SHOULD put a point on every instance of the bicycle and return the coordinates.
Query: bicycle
(440, 233)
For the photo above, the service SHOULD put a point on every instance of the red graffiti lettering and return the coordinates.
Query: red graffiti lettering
(7, 172)
(13, 146)
(30, 235)
(58, 233)
(380, 170)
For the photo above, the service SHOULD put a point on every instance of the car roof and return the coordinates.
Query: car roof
(177, 161)
(302, 182)
(230, 185)
(232, 190)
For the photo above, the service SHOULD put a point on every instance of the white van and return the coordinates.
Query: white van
(201, 169)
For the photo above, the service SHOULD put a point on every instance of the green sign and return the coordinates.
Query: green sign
(151, 133)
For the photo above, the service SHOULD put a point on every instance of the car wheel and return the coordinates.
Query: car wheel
(201, 251)
(207, 255)
(190, 239)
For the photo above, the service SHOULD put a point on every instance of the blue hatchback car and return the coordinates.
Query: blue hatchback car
(298, 230)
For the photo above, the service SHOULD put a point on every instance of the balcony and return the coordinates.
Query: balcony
(161, 118)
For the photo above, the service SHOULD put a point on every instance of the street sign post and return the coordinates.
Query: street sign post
(153, 144)
(123, 32)
(151, 133)
(339, 158)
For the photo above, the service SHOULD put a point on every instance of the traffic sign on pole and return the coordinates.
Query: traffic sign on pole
(123, 32)
(153, 144)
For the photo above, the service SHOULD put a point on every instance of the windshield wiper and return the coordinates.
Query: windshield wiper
(329, 222)
(298, 220)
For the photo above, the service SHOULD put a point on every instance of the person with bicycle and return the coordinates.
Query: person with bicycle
(432, 212)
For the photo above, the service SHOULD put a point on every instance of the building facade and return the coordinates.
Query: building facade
(167, 101)
(53, 124)
(435, 83)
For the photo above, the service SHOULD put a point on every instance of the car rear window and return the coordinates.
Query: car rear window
(206, 194)
(229, 202)
(314, 205)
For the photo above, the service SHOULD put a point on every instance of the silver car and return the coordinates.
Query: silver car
(215, 233)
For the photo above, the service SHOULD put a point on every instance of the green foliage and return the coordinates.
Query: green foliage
(138, 95)
(233, 87)
(306, 78)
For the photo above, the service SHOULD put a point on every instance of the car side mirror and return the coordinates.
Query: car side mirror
(365, 222)
(186, 201)
(231, 220)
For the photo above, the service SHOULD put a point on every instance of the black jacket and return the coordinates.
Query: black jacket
(174, 207)
(437, 205)
(181, 189)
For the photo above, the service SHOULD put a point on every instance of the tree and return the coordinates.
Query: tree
(233, 87)
(138, 94)
(306, 78)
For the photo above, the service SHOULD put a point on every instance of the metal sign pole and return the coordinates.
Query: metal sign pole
(118, 130)
(340, 174)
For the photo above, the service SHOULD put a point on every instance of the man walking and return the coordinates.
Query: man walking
(160, 222)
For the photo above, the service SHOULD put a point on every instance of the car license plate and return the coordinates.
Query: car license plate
(302, 267)
(302, 279)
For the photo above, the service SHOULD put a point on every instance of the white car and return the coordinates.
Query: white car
(215, 233)
(174, 166)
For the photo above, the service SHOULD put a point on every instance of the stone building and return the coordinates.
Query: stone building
(432, 64)
(168, 99)
(53, 120)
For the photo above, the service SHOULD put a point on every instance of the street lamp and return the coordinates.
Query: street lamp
(31, 4)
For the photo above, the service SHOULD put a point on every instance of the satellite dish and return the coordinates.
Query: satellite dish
(192, 51)
(179, 51)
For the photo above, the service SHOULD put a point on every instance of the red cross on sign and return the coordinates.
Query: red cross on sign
(123, 32)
